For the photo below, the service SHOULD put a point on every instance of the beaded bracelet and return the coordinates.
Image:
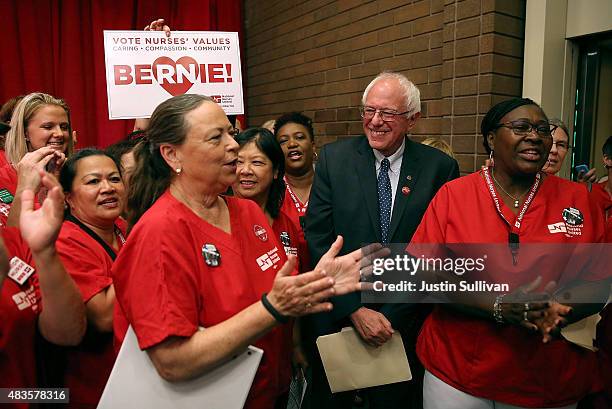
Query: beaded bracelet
(497, 309)
(282, 319)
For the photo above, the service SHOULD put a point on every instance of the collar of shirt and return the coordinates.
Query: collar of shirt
(395, 160)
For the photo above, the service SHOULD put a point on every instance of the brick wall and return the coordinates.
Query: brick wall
(317, 56)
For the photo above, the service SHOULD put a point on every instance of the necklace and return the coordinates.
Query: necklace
(516, 199)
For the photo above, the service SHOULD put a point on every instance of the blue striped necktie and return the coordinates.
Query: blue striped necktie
(384, 199)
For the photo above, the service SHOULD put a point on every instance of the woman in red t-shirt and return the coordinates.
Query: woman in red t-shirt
(91, 237)
(475, 362)
(294, 133)
(40, 134)
(196, 258)
(261, 167)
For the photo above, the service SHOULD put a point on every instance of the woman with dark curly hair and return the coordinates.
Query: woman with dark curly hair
(294, 133)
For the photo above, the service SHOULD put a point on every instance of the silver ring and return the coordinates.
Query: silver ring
(527, 307)
(308, 305)
(525, 316)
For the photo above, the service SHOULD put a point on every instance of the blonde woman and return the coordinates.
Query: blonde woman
(40, 133)
(439, 144)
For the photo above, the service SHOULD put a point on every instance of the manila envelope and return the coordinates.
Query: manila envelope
(352, 364)
(582, 333)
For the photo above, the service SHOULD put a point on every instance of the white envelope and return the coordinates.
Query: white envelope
(134, 383)
(352, 364)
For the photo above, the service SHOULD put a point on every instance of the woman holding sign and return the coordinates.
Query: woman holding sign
(196, 258)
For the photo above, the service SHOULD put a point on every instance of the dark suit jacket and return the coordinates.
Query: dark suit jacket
(344, 200)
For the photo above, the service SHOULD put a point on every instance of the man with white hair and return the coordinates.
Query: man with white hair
(374, 188)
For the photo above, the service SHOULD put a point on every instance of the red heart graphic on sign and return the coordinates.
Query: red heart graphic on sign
(165, 73)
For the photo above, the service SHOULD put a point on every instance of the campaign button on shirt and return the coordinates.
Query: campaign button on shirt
(211, 255)
(6, 196)
(20, 270)
(260, 232)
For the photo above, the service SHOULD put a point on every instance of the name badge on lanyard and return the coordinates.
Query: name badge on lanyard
(301, 208)
(20, 270)
(513, 234)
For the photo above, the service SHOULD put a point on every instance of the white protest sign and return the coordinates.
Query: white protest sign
(145, 68)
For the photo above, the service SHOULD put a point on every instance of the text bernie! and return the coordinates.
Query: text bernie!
(176, 77)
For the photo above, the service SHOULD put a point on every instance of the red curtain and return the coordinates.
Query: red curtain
(57, 47)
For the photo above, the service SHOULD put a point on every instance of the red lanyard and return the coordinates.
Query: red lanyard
(513, 235)
(119, 235)
(301, 208)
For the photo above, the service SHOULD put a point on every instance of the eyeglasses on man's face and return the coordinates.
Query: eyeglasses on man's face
(386, 115)
(523, 127)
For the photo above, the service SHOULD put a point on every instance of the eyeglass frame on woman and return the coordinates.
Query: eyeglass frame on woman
(550, 128)
(385, 115)
(564, 145)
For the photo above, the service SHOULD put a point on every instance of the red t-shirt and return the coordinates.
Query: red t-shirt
(89, 265)
(3, 160)
(603, 200)
(20, 305)
(291, 237)
(293, 207)
(507, 363)
(169, 281)
(8, 186)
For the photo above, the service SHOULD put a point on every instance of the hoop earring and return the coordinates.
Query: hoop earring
(315, 156)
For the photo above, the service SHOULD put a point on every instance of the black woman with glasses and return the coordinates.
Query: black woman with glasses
(497, 352)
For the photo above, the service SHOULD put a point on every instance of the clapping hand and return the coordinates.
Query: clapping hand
(553, 320)
(347, 270)
(524, 307)
(297, 295)
(536, 311)
(40, 228)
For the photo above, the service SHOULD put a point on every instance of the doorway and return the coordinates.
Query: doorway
(593, 104)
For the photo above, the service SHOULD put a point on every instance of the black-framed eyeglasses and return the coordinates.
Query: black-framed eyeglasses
(522, 127)
(386, 115)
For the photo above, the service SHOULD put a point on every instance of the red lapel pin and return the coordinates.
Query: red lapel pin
(405, 190)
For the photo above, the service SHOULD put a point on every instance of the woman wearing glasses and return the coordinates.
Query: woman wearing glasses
(559, 148)
(558, 151)
(500, 353)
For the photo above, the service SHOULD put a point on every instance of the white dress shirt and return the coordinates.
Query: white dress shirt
(395, 165)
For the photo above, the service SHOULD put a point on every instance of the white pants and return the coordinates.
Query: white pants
(439, 395)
